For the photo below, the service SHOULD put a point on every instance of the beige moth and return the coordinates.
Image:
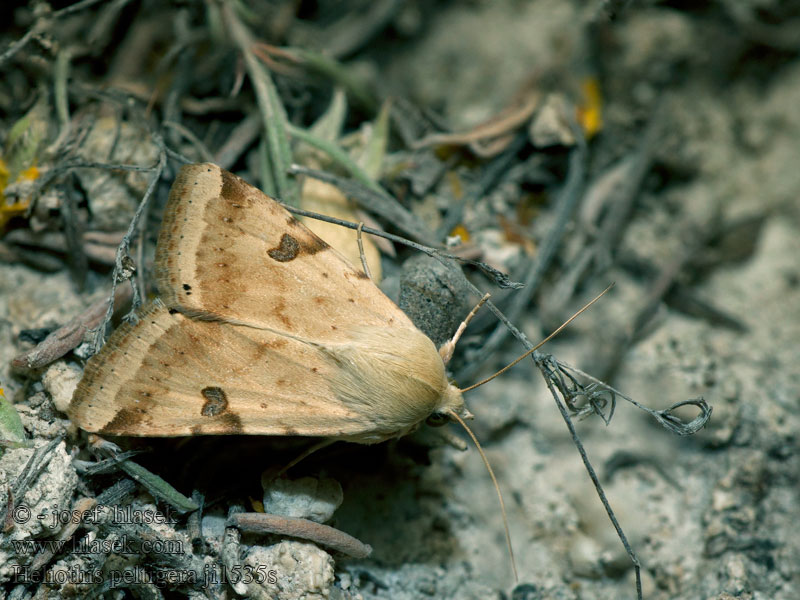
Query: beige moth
(260, 328)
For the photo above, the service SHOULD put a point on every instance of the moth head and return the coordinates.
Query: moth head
(451, 402)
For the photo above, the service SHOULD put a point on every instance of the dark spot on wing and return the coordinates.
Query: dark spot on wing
(290, 247)
(233, 188)
(287, 250)
(231, 423)
(228, 423)
(216, 401)
(314, 244)
(125, 421)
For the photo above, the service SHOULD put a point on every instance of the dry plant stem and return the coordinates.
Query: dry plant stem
(41, 262)
(641, 316)
(507, 121)
(350, 34)
(242, 137)
(540, 360)
(122, 250)
(187, 133)
(303, 529)
(687, 302)
(77, 258)
(117, 492)
(35, 465)
(335, 152)
(665, 283)
(377, 201)
(194, 524)
(596, 482)
(567, 203)
(500, 279)
(598, 254)
(540, 344)
(273, 114)
(231, 552)
(614, 225)
(41, 25)
(61, 97)
(361, 251)
(49, 175)
(24, 242)
(69, 336)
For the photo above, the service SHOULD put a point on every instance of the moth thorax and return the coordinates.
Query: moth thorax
(395, 377)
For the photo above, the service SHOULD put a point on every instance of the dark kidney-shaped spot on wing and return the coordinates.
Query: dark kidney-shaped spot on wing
(287, 250)
(216, 402)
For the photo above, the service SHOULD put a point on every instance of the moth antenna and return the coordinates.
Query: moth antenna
(361, 251)
(540, 344)
(496, 487)
(446, 351)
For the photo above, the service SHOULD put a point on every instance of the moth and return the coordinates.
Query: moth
(261, 328)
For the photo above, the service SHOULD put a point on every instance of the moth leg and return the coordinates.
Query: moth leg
(361, 251)
(100, 443)
(446, 351)
(451, 439)
(269, 475)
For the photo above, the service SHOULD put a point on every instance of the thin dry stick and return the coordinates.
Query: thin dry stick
(540, 361)
(122, 250)
(540, 344)
(35, 465)
(301, 528)
(361, 251)
(568, 200)
(68, 336)
(41, 25)
(370, 197)
(500, 279)
(503, 123)
(597, 486)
